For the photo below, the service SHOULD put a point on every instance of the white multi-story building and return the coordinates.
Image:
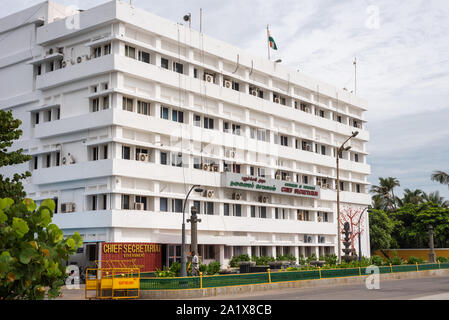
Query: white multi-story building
(124, 111)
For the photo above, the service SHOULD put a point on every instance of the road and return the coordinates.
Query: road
(432, 288)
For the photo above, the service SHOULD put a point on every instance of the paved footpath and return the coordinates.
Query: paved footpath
(431, 288)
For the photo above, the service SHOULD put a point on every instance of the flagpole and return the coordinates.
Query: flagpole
(268, 42)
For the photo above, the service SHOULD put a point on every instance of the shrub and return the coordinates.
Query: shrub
(442, 259)
(414, 260)
(213, 267)
(234, 262)
(175, 268)
(311, 258)
(331, 259)
(263, 261)
(287, 257)
(203, 268)
(395, 261)
(301, 260)
(291, 269)
(377, 260)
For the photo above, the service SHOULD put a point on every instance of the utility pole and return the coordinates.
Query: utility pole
(431, 245)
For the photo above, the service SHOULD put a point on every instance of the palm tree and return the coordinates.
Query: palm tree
(385, 190)
(413, 197)
(436, 199)
(441, 177)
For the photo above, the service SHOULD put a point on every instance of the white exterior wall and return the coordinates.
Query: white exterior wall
(79, 129)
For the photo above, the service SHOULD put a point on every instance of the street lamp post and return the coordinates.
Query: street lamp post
(183, 272)
(340, 150)
(360, 238)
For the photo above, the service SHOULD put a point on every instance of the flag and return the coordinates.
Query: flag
(271, 41)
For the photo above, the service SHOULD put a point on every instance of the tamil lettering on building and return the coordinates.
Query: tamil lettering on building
(245, 182)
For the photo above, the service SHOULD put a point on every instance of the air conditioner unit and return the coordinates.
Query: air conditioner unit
(319, 218)
(67, 207)
(209, 193)
(209, 78)
(277, 100)
(50, 51)
(64, 64)
(307, 239)
(308, 148)
(227, 84)
(205, 167)
(88, 57)
(215, 168)
(64, 160)
(79, 60)
(263, 199)
(61, 50)
(236, 196)
(138, 206)
(319, 183)
(278, 177)
(253, 92)
(142, 157)
(288, 178)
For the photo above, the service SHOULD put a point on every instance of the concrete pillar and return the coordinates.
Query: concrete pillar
(221, 251)
(297, 254)
(273, 252)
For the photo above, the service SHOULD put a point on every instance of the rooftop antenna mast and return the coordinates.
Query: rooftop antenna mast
(201, 20)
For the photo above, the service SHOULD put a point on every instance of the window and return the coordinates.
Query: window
(339, 119)
(176, 159)
(126, 153)
(35, 161)
(342, 186)
(36, 118)
(208, 123)
(236, 129)
(95, 153)
(321, 113)
(251, 171)
(105, 103)
(105, 152)
(261, 135)
(58, 157)
(261, 172)
(125, 202)
(164, 158)
(226, 127)
(177, 205)
(107, 49)
(305, 179)
(143, 200)
(197, 163)
(237, 210)
(235, 86)
(356, 157)
(130, 52)
(143, 108)
(140, 151)
(39, 70)
(197, 206)
(197, 120)
(105, 202)
(260, 94)
(95, 104)
(97, 52)
(209, 208)
(144, 56)
(262, 212)
(128, 104)
(253, 211)
(48, 113)
(226, 209)
(48, 163)
(195, 73)
(357, 186)
(94, 203)
(323, 150)
(164, 63)
(284, 141)
(178, 67)
(177, 116)
(164, 113)
(163, 202)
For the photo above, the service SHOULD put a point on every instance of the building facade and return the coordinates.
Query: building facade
(124, 111)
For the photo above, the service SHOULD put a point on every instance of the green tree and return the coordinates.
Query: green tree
(441, 177)
(32, 250)
(380, 230)
(384, 192)
(11, 187)
(435, 198)
(412, 227)
(411, 196)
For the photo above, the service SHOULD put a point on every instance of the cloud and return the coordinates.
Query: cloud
(402, 69)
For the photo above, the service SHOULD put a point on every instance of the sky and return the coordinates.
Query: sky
(402, 52)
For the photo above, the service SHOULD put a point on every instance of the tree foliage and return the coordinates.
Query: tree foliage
(11, 187)
(32, 250)
(380, 229)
